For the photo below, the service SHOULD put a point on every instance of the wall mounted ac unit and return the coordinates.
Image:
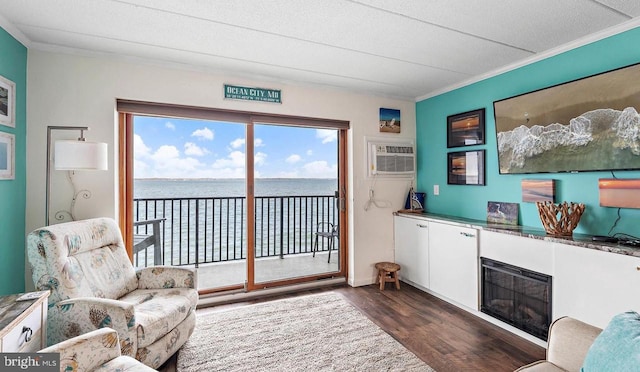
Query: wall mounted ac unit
(392, 158)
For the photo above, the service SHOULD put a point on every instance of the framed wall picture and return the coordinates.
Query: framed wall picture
(466, 129)
(7, 156)
(389, 120)
(465, 168)
(585, 125)
(7, 102)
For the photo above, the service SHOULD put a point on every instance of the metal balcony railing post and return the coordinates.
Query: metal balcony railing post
(281, 228)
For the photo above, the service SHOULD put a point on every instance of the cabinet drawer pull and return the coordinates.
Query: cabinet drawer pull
(421, 226)
(638, 268)
(467, 235)
(28, 333)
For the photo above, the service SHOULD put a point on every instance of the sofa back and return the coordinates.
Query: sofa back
(80, 259)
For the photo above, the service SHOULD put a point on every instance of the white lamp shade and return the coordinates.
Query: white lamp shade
(80, 155)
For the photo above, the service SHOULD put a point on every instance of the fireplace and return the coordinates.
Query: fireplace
(517, 296)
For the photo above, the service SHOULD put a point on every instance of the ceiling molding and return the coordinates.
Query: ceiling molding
(13, 31)
(611, 31)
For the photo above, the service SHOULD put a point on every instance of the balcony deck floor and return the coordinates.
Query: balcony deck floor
(229, 273)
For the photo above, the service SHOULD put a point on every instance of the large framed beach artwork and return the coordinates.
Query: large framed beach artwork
(590, 124)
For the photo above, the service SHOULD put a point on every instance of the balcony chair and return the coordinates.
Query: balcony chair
(97, 350)
(144, 241)
(326, 230)
(93, 285)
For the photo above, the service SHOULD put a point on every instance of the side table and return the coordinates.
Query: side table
(23, 322)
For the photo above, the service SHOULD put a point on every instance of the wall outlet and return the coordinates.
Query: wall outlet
(436, 189)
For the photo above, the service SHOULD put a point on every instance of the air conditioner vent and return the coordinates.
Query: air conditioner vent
(391, 159)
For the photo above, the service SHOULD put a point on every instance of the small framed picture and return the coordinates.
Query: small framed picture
(465, 168)
(7, 102)
(389, 120)
(7, 156)
(466, 129)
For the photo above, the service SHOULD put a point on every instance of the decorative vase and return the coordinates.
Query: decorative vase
(570, 214)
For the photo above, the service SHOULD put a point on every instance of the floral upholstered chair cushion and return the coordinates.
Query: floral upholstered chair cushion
(97, 350)
(93, 284)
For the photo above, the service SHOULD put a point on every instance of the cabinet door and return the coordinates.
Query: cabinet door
(453, 263)
(593, 285)
(412, 250)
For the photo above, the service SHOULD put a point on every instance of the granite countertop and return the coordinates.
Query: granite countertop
(580, 240)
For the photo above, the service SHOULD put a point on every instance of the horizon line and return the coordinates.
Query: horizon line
(217, 179)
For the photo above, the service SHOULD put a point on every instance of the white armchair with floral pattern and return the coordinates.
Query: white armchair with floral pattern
(97, 350)
(93, 285)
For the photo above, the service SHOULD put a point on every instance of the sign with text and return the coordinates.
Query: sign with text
(252, 94)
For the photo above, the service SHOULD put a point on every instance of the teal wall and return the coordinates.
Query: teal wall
(13, 66)
(471, 201)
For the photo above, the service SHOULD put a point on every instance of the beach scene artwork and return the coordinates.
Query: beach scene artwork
(619, 193)
(538, 190)
(502, 213)
(389, 120)
(589, 124)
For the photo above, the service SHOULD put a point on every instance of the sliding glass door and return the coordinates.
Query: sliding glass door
(249, 203)
(296, 208)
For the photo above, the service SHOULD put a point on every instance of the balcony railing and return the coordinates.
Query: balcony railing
(205, 230)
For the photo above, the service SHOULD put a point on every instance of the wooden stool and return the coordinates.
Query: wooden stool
(387, 273)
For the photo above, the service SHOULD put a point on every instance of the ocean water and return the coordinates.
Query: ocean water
(208, 230)
(193, 188)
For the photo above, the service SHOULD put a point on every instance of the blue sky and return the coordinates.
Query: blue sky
(183, 148)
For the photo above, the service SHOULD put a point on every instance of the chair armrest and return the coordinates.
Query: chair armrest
(87, 351)
(148, 222)
(90, 313)
(569, 342)
(157, 277)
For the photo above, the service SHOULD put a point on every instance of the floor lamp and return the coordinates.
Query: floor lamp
(73, 155)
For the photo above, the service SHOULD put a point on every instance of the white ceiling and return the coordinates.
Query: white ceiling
(404, 49)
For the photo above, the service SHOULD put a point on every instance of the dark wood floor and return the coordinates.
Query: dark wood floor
(444, 336)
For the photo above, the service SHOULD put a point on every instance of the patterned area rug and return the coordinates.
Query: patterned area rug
(320, 332)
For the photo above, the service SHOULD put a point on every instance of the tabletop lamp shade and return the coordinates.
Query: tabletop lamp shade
(80, 155)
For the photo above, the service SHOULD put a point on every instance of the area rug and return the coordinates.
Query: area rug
(321, 332)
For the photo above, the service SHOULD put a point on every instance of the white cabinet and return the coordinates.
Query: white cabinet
(24, 321)
(412, 249)
(532, 254)
(453, 263)
(593, 285)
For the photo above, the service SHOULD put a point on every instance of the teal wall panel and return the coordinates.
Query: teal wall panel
(13, 66)
(471, 201)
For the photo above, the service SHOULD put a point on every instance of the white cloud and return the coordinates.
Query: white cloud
(203, 134)
(235, 159)
(327, 135)
(170, 125)
(294, 158)
(319, 169)
(140, 150)
(166, 152)
(259, 158)
(309, 152)
(237, 143)
(192, 149)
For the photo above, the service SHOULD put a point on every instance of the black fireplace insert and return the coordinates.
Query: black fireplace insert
(517, 296)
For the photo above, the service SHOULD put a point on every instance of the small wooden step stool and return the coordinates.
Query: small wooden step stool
(387, 273)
